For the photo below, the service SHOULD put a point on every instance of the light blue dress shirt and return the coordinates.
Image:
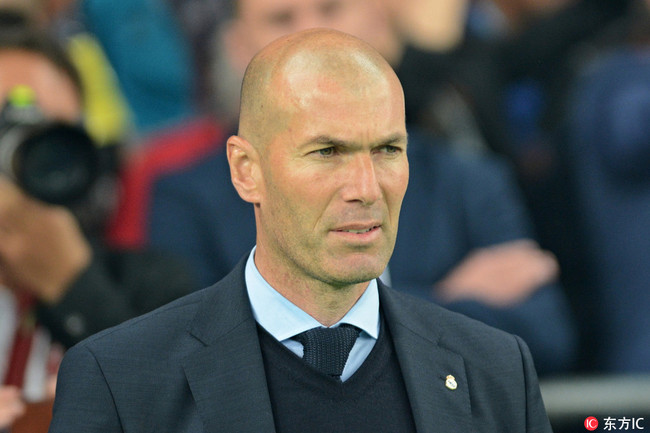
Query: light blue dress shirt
(283, 319)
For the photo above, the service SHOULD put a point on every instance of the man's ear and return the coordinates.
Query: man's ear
(245, 170)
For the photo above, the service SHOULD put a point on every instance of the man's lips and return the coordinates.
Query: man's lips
(358, 228)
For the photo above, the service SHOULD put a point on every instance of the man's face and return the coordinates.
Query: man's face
(333, 180)
(55, 92)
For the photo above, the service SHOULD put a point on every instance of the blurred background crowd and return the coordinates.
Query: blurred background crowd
(529, 143)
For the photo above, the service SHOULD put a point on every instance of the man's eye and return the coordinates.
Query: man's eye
(389, 149)
(327, 151)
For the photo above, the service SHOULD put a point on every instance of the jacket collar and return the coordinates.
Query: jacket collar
(226, 376)
(425, 364)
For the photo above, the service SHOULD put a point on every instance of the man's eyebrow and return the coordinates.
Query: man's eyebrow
(331, 141)
(394, 139)
(328, 140)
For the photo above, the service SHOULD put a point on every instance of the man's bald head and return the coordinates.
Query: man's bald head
(290, 71)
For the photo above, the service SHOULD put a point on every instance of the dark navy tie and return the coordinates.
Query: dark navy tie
(327, 349)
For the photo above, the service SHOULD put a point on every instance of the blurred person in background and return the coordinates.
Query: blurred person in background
(147, 51)
(135, 59)
(608, 153)
(468, 245)
(107, 116)
(59, 283)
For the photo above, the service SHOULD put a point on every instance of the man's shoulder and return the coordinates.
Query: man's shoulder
(150, 331)
(169, 328)
(432, 314)
(448, 329)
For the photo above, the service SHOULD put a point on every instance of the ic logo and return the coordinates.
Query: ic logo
(591, 423)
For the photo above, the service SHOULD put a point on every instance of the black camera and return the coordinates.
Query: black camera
(53, 161)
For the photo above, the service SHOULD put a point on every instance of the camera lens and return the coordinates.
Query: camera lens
(57, 164)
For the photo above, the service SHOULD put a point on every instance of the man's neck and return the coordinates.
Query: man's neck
(327, 306)
(325, 302)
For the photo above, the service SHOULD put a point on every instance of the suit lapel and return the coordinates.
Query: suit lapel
(425, 366)
(227, 379)
(226, 375)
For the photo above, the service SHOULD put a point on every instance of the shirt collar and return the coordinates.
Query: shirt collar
(283, 319)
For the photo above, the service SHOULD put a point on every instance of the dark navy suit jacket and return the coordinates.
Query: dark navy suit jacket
(196, 365)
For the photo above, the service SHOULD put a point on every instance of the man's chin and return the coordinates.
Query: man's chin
(355, 272)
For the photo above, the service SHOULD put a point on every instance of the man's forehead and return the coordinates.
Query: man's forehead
(330, 60)
(319, 73)
(322, 71)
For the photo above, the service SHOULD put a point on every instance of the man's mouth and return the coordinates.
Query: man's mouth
(358, 231)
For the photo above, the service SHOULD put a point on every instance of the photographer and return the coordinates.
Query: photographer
(58, 281)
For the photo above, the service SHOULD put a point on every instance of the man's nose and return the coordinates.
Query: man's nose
(362, 182)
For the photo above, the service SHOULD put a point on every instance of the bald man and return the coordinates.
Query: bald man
(321, 155)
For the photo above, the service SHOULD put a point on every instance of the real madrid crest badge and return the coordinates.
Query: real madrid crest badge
(450, 382)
